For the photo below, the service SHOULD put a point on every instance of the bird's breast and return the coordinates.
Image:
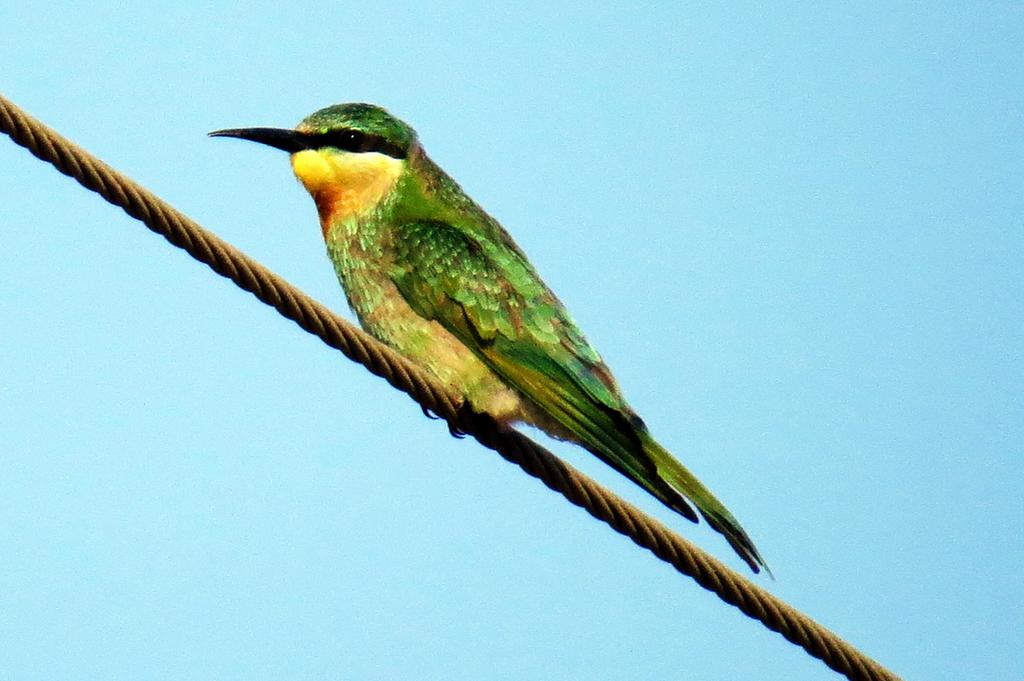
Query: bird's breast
(386, 315)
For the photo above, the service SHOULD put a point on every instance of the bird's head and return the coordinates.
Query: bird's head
(348, 156)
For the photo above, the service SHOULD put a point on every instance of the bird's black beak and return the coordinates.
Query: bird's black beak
(286, 140)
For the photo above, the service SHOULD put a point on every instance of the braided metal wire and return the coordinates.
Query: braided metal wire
(336, 332)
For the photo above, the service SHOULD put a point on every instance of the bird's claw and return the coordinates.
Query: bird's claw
(455, 432)
(462, 412)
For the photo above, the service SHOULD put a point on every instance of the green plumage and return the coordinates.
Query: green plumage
(430, 273)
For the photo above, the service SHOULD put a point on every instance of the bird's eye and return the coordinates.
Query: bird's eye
(351, 140)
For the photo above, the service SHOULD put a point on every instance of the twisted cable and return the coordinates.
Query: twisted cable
(516, 448)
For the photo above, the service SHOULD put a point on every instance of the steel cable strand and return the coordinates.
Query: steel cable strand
(711, 574)
(668, 546)
(223, 258)
(316, 319)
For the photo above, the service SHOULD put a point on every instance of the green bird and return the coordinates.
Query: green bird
(433, 276)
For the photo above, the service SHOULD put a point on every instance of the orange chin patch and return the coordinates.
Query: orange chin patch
(345, 184)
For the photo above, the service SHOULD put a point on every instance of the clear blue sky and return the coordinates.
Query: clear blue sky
(796, 234)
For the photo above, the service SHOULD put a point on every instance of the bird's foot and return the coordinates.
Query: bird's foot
(463, 415)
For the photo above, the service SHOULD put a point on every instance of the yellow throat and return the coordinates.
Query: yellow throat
(345, 184)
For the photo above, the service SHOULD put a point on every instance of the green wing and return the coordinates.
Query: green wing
(486, 294)
(489, 297)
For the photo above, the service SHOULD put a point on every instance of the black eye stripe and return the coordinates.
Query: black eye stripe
(354, 141)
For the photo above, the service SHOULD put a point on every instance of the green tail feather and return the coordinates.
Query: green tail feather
(717, 515)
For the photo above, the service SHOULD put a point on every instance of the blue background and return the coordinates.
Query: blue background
(794, 233)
